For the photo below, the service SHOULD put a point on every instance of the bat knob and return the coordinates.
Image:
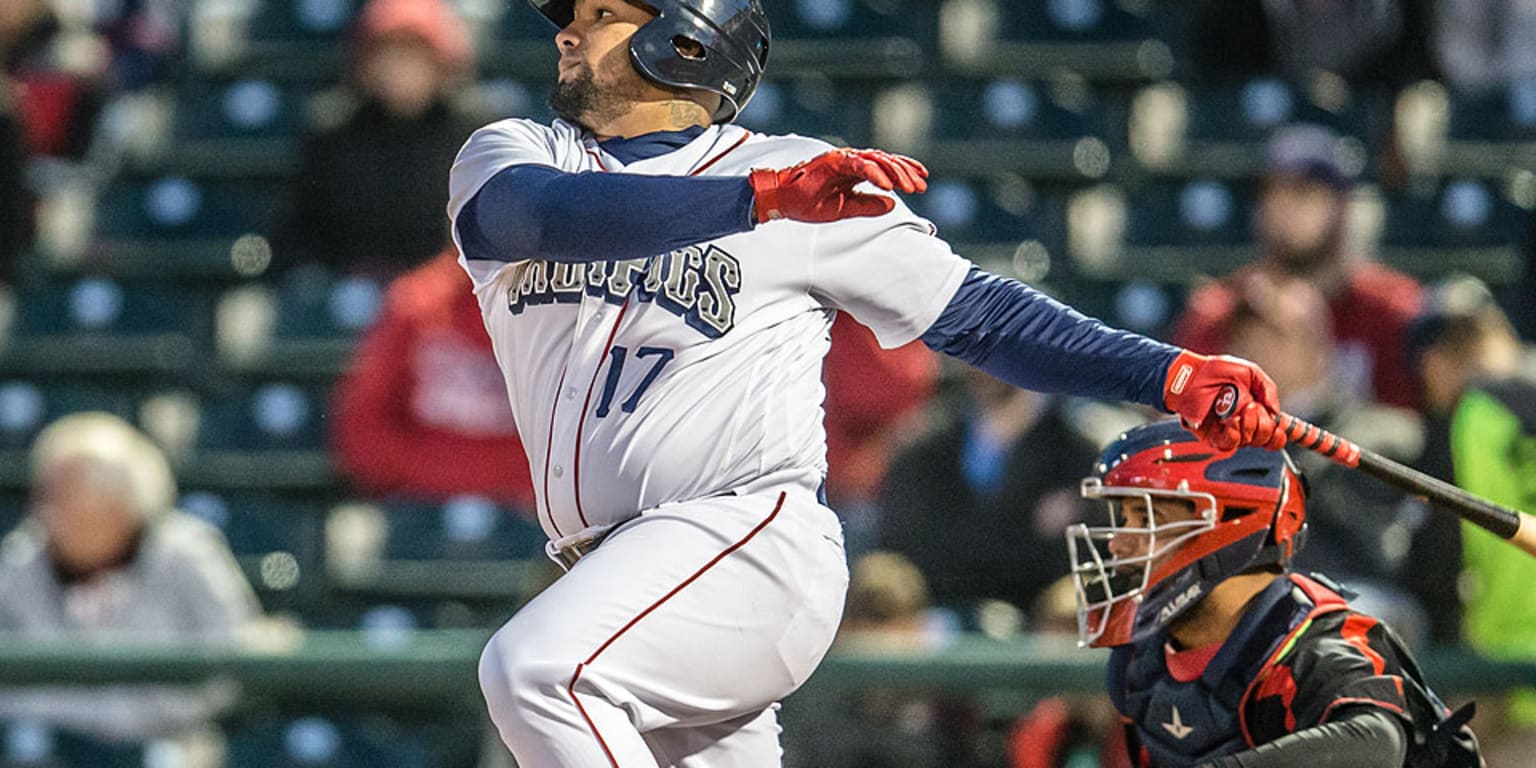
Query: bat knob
(1226, 401)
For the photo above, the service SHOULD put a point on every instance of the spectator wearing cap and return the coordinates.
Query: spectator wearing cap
(1301, 230)
(103, 558)
(372, 186)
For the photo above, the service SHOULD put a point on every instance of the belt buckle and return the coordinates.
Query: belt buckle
(567, 555)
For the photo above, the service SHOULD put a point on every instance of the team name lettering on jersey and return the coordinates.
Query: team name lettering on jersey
(697, 283)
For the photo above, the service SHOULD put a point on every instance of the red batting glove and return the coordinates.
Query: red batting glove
(1227, 401)
(820, 190)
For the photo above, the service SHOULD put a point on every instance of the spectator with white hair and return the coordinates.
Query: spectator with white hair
(104, 558)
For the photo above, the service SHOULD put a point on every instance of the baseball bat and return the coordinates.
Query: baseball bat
(1516, 526)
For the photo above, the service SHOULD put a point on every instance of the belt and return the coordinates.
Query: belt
(566, 551)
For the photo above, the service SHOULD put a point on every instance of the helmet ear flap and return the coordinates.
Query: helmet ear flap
(1291, 514)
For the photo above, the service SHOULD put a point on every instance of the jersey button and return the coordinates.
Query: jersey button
(570, 393)
(559, 471)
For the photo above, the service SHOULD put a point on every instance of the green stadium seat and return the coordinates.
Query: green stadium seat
(307, 20)
(239, 108)
(836, 111)
(27, 404)
(187, 207)
(462, 528)
(312, 303)
(1081, 21)
(1505, 115)
(1464, 224)
(1490, 134)
(835, 20)
(31, 744)
(102, 305)
(994, 210)
(320, 742)
(271, 415)
(275, 537)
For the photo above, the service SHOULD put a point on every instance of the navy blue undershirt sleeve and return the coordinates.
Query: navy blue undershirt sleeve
(538, 212)
(1033, 341)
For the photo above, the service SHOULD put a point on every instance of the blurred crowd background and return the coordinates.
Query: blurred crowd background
(245, 392)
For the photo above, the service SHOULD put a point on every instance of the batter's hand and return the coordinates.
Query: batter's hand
(1227, 401)
(820, 190)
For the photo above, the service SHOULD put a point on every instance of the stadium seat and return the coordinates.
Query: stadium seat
(1039, 129)
(99, 325)
(32, 744)
(1505, 115)
(265, 416)
(323, 742)
(845, 19)
(1226, 126)
(1190, 212)
(239, 108)
(29, 404)
(1490, 134)
(312, 303)
(1008, 108)
(1163, 230)
(303, 20)
(1098, 39)
(1004, 209)
(180, 207)
(275, 537)
(835, 111)
(1075, 21)
(1464, 224)
(102, 305)
(462, 528)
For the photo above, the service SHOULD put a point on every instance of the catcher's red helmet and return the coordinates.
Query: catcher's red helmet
(1250, 510)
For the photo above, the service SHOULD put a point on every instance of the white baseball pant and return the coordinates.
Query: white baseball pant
(671, 644)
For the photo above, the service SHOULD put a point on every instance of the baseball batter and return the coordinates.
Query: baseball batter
(659, 286)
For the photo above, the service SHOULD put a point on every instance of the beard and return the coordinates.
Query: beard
(582, 102)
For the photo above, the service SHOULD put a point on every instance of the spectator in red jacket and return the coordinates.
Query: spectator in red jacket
(1300, 225)
(423, 412)
(871, 394)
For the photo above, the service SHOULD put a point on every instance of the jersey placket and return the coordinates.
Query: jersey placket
(596, 328)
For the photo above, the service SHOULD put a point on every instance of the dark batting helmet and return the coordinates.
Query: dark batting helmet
(733, 36)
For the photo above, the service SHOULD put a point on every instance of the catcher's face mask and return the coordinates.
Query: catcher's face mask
(1114, 565)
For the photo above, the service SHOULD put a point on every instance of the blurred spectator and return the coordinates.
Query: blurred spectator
(1300, 226)
(104, 558)
(372, 187)
(1485, 44)
(1360, 530)
(1070, 730)
(1473, 360)
(143, 37)
(54, 74)
(879, 728)
(1366, 42)
(422, 411)
(982, 502)
(874, 395)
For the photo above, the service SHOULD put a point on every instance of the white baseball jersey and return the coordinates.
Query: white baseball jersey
(693, 373)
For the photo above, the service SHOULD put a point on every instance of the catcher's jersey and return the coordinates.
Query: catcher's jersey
(692, 373)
